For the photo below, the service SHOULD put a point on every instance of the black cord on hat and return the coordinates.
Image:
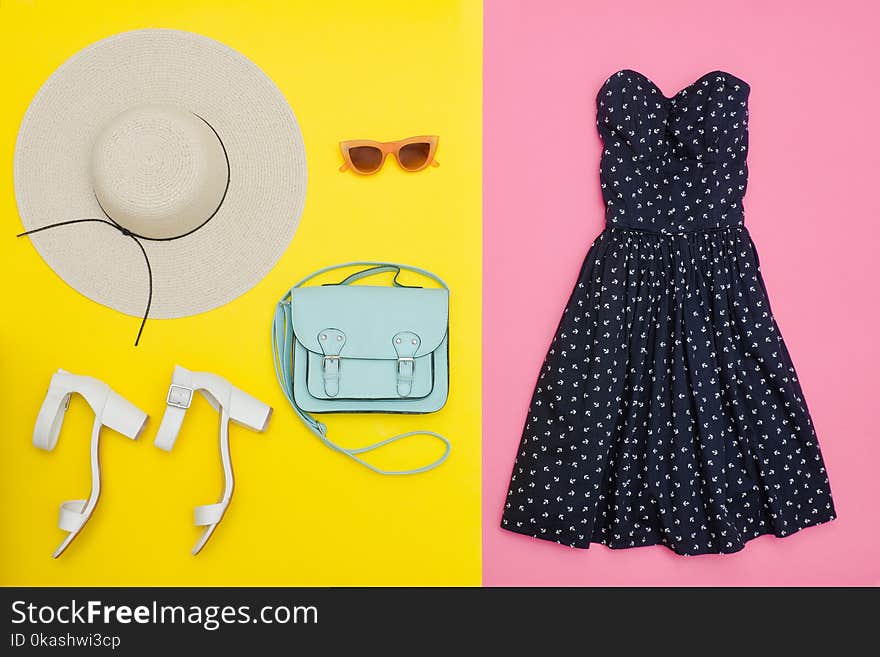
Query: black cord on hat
(137, 238)
(125, 232)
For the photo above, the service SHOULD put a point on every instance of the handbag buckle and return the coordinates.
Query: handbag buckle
(406, 374)
(406, 345)
(331, 341)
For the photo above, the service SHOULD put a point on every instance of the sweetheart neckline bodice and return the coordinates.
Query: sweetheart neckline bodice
(673, 164)
(684, 90)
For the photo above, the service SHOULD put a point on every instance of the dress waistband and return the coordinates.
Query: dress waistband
(665, 233)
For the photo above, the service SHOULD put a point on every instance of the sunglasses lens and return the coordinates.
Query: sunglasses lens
(365, 159)
(414, 156)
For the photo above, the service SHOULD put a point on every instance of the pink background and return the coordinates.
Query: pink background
(812, 206)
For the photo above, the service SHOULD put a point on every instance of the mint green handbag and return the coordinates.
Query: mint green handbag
(343, 348)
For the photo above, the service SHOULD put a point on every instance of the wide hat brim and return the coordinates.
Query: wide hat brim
(267, 172)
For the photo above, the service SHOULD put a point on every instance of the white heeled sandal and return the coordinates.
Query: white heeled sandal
(111, 410)
(232, 404)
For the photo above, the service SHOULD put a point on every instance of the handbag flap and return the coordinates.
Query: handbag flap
(370, 317)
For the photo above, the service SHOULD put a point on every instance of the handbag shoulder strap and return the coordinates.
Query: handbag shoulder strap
(282, 356)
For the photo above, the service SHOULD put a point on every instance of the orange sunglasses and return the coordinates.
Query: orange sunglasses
(366, 157)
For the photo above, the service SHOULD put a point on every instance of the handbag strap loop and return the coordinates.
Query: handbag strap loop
(372, 271)
(375, 268)
(282, 356)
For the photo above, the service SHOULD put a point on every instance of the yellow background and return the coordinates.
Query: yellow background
(301, 514)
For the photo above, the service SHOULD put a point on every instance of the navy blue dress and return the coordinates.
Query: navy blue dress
(668, 410)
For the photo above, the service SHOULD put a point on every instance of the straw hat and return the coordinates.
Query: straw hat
(182, 143)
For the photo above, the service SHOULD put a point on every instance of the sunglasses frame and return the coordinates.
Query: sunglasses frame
(389, 148)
